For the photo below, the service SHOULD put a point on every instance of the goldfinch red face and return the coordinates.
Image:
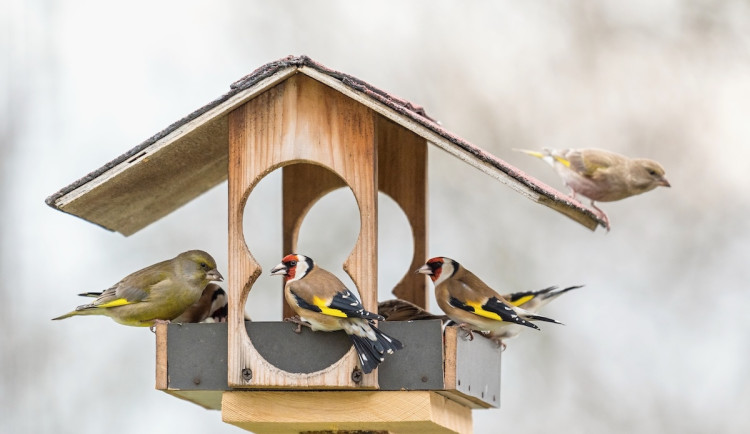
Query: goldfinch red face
(439, 269)
(293, 267)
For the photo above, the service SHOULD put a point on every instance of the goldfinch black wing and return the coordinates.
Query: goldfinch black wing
(342, 304)
(492, 308)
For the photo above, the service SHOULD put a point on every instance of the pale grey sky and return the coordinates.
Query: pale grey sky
(655, 342)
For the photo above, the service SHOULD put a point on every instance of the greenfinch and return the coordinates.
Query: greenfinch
(158, 293)
(603, 176)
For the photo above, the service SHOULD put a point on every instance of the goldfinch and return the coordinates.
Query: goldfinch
(323, 303)
(472, 304)
(158, 293)
(603, 176)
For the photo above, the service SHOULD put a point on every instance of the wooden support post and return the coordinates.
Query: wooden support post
(299, 121)
(402, 175)
(294, 412)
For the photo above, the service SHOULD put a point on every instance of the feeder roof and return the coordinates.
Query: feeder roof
(190, 156)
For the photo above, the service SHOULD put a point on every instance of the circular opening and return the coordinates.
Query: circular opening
(329, 232)
(261, 223)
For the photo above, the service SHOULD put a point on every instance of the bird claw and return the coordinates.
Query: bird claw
(467, 329)
(297, 320)
(499, 342)
(602, 215)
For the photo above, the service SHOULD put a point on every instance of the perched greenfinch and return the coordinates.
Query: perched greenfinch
(158, 293)
(603, 176)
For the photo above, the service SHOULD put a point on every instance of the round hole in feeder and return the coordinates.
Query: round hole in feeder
(261, 224)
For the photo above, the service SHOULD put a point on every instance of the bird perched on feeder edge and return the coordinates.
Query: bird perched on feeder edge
(322, 302)
(472, 304)
(603, 176)
(212, 307)
(158, 293)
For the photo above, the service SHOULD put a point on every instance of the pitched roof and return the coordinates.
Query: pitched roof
(190, 156)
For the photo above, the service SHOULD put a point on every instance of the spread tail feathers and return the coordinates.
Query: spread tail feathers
(372, 352)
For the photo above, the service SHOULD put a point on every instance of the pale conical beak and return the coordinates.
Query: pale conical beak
(664, 182)
(214, 275)
(424, 269)
(279, 269)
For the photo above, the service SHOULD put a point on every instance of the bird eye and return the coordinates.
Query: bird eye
(652, 172)
(292, 263)
(203, 265)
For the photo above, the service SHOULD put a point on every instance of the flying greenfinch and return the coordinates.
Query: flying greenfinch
(603, 176)
(158, 293)
(471, 303)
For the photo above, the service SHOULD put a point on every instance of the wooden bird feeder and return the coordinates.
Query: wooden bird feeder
(326, 130)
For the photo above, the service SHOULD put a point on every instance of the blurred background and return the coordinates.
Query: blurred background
(657, 340)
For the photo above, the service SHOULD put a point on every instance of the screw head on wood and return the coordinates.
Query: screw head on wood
(357, 375)
(247, 374)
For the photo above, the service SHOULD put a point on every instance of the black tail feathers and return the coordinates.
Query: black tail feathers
(372, 352)
(541, 318)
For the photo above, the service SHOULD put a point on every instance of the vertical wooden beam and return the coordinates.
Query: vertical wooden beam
(299, 121)
(402, 175)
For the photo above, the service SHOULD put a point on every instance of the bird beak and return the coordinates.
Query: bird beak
(424, 269)
(664, 182)
(214, 275)
(279, 269)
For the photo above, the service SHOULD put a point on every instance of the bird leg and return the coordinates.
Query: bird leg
(152, 327)
(602, 214)
(467, 328)
(299, 321)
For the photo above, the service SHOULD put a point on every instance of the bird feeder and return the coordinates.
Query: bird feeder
(325, 130)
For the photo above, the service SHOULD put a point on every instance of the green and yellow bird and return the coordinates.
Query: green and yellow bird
(603, 176)
(158, 293)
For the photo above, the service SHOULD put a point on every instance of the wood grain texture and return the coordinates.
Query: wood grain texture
(299, 120)
(293, 412)
(402, 175)
(162, 378)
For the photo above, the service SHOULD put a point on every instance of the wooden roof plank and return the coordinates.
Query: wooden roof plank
(190, 156)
